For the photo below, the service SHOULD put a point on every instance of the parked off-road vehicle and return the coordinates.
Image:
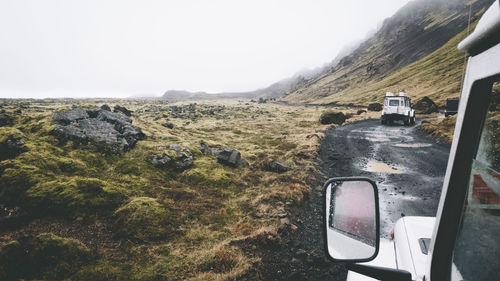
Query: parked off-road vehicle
(451, 107)
(462, 241)
(397, 108)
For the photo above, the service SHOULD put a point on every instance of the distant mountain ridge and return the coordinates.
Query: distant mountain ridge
(414, 32)
(413, 50)
(275, 90)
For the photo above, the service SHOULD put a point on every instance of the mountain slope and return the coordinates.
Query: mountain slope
(414, 50)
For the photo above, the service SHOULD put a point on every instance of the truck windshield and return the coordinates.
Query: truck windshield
(393, 102)
(477, 250)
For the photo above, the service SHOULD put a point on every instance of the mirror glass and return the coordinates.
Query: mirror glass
(351, 220)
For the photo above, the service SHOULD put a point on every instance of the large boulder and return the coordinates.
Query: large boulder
(375, 107)
(105, 107)
(96, 125)
(425, 106)
(160, 160)
(68, 116)
(332, 117)
(231, 157)
(209, 150)
(278, 167)
(184, 158)
(122, 109)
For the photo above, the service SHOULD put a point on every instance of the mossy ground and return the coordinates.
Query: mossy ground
(147, 223)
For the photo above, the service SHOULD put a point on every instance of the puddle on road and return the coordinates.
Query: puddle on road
(412, 145)
(381, 167)
(409, 197)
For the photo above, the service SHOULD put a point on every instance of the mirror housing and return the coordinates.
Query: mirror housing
(351, 219)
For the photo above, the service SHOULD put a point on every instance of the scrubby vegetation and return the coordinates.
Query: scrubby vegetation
(97, 214)
(441, 129)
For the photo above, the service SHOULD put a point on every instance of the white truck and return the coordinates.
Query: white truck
(397, 108)
(462, 241)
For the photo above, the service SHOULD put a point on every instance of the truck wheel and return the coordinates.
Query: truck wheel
(383, 121)
(407, 121)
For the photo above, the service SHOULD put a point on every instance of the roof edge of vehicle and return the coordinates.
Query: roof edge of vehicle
(483, 37)
(401, 94)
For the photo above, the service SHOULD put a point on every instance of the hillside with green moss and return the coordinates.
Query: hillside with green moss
(415, 51)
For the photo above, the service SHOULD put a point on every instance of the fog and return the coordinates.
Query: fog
(123, 48)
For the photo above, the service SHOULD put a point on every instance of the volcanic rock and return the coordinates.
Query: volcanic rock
(425, 106)
(375, 107)
(332, 117)
(98, 126)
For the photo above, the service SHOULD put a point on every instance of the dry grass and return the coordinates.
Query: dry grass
(441, 129)
(206, 207)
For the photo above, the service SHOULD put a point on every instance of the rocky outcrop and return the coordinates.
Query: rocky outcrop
(160, 160)
(180, 159)
(95, 125)
(227, 156)
(375, 107)
(332, 117)
(122, 109)
(231, 157)
(209, 150)
(10, 147)
(184, 158)
(105, 107)
(425, 106)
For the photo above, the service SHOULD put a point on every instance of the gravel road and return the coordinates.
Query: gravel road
(408, 168)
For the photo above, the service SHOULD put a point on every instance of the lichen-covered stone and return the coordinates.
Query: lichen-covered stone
(160, 160)
(96, 125)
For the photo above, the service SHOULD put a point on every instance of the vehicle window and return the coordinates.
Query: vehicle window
(477, 250)
(393, 102)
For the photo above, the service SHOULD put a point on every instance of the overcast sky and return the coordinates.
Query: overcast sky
(118, 48)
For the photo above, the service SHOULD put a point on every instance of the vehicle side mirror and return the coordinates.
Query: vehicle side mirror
(351, 217)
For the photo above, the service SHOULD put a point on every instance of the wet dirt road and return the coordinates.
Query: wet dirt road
(409, 169)
(407, 166)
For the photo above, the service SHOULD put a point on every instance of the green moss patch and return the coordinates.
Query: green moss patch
(45, 256)
(207, 172)
(144, 218)
(75, 193)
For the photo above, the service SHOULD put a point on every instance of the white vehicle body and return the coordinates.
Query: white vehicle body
(397, 108)
(441, 257)
(408, 250)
